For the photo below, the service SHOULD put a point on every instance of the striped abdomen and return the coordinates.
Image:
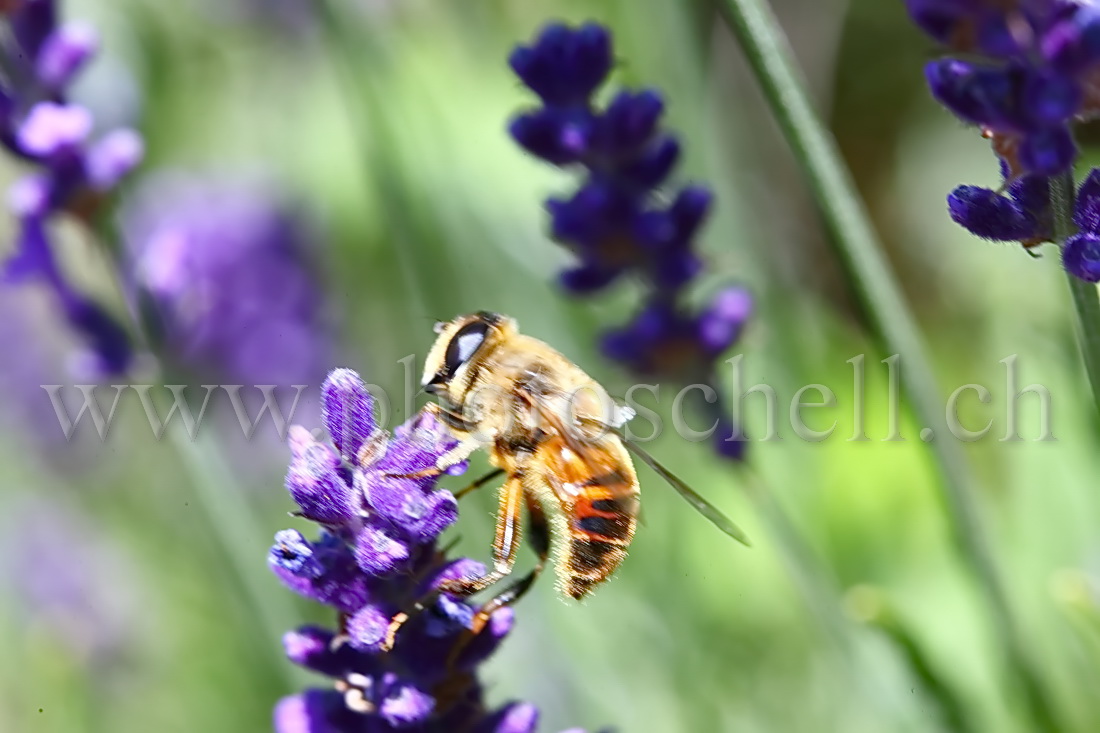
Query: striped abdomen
(601, 521)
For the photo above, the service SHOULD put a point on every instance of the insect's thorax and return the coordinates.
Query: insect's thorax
(524, 390)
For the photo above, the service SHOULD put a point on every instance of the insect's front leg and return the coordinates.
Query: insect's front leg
(479, 483)
(466, 445)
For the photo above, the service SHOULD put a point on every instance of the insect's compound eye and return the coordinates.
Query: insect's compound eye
(464, 345)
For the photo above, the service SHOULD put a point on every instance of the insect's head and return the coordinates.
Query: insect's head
(461, 344)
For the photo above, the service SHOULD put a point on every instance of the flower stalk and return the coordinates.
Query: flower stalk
(1086, 300)
(856, 246)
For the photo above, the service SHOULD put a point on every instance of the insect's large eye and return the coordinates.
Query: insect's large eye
(464, 345)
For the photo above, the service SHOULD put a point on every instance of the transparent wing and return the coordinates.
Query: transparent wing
(704, 507)
(584, 453)
(583, 459)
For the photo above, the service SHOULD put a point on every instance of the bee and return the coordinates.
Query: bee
(550, 429)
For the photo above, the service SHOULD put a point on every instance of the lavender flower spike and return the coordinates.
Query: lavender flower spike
(228, 268)
(377, 555)
(619, 222)
(1037, 63)
(73, 173)
(1024, 215)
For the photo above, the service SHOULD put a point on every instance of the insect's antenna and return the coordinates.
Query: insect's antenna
(701, 505)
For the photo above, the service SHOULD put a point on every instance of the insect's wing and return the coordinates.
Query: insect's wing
(704, 507)
(583, 463)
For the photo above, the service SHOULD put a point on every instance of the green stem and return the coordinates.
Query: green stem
(227, 511)
(870, 606)
(860, 254)
(1087, 305)
(1086, 302)
(228, 514)
(356, 56)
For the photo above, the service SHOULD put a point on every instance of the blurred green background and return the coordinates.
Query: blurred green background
(391, 133)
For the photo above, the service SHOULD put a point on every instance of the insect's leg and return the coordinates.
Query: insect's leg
(505, 543)
(479, 483)
(539, 538)
(456, 455)
(453, 457)
(466, 445)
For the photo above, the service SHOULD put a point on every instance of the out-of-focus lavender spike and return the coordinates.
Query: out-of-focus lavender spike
(73, 173)
(619, 223)
(69, 579)
(228, 265)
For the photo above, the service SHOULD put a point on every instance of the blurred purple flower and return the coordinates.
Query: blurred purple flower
(377, 555)
(69, 579)
(227, 267)
(39, 126)
(40, 367)
(619, 222)
(614, 223)
(24, 407)
(661, 340)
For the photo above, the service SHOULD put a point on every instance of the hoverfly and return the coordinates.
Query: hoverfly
(550, 429)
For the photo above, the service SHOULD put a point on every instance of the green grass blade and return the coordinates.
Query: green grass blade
(856, 245)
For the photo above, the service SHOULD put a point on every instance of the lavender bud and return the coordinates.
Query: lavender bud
(112, 157)
(64, 53)
(52, 129)
(348, 411)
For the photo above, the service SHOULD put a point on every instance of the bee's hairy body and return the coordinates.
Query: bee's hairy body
(544, 423)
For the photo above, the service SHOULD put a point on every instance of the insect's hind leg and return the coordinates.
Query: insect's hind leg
(505, 547)
(539, 538)
(505, 543)
(538, 533)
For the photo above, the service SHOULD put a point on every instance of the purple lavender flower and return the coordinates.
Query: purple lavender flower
(25, 408)
(1024, 215)
(619, 222)
(614, 223)
(227, 265)
(1081, 251)
(661, 340)
(377, 556)
(1030, 71)
(73, 174)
